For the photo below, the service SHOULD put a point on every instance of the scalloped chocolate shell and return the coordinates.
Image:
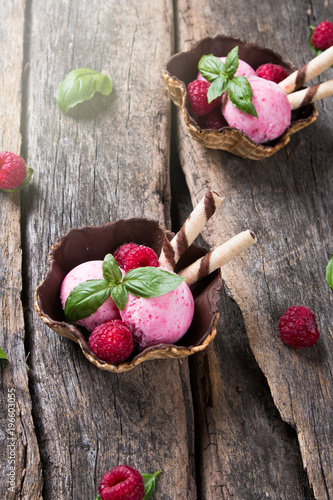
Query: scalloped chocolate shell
(93, 243)
(182, 68)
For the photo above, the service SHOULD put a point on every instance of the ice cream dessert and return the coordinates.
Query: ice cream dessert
(157, 320)
(90, 270)
(272, 107)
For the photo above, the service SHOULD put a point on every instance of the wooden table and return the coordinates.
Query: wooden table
(248, 418)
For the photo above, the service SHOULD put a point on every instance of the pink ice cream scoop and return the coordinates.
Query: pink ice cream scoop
(83, 272)
(273, 110)
(243, 69)
(163, 319)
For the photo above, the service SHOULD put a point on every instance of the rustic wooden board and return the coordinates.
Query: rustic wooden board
(20, 463)
(286, 200)
(105, 160)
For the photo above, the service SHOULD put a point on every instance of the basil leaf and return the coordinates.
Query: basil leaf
(148, 282)
(231, 63)
(149, 482)
(119, 295)
(111, 271)
(24, 183)
(80, 85)
(217, 88)
(85, 299)
(98, 497)
(329, 273)
(240, 94)
(2, 354)
(211, 67)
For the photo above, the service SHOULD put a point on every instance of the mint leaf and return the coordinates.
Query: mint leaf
(111, 271)
(231, 63)
(148, 282)
(149, 481)
(211, 67)
(329, 273)
(240, 94)
(85, 299)
(80, 85)
(2, 354)
(119, 295)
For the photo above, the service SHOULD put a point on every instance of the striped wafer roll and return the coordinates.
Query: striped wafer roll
(174, 249)
(310, 70)
(218, 257)
(311, 94)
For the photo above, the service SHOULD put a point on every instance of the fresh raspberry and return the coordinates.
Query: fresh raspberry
(322, 36)
(298, 327)
(112, 341)
(13, 170)
(121, 253)
(272, 72)
(197, 94)
(214, 120)
(122, 483)
(141, 257)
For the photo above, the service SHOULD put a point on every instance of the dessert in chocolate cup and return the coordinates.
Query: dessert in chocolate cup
(93, 243)
(182, 68)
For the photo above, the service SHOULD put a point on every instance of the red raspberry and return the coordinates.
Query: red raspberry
(197, 94)
(141, 257)
(121, 253)
(214, 120)
(322, 36)
(112, 341)
(13, 170)
(122, 483)
(298, 327)
(272, 72)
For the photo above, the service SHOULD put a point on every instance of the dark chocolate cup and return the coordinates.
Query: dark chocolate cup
(93, 243)
(182, 68)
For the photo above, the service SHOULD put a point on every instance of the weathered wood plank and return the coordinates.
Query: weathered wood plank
(105, 160)
(20, 463)
(286, 200)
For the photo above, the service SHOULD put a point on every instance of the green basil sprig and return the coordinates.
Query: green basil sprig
(221, 76)
(80, 85)
(329, 273)
(2, 354)
(146, 282)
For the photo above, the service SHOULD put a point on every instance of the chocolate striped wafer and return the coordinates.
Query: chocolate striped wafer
(218, 257)
(310, 70)
(312, 94)
(174, 249)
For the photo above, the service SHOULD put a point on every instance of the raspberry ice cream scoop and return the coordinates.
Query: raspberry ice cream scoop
(272, 107)
(243, 69)
(83, 272)
(163, 319)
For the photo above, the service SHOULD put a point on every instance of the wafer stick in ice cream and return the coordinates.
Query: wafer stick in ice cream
(192, 227)
(218, 257)
(310, 70)
(312, 94)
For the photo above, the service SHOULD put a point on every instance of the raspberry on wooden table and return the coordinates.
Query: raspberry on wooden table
(272, 72)
(197, 94)
(297, 327)
(112, 341)
(140, 256)
(121, 253)
(122, 483)
(322, 36)
(13, 170)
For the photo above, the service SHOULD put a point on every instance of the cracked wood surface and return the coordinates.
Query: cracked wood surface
(212, 423)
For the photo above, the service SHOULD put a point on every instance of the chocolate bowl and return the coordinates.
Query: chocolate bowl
(182, 68)
(93, 243)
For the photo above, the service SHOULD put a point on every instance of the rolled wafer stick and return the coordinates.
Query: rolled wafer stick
(310, 70)
(192, 227)
(312, 94)
(218, 257)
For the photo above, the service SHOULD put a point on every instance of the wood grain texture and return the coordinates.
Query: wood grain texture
(19, 458)
(286, 200)
(107, 159)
